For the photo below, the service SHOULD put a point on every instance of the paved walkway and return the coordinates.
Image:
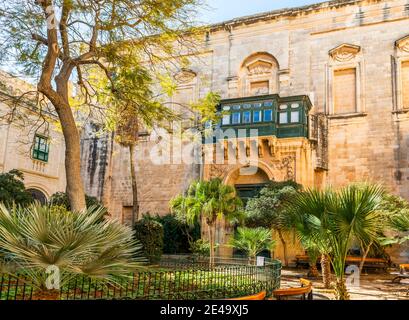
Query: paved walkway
(374, 286)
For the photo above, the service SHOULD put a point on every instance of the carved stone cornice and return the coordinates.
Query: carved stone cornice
(185, 76)
(344, 52)
(259, 67)
(403, 44)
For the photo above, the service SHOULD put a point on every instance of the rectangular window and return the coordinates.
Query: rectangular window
(256, 116)
(41, 148)
(236, 118)
(268, 115)
(283, 117)
(259, 88)
(295, 116)
(345, 91)
(226, 119)
(405, 84)
(246, 117)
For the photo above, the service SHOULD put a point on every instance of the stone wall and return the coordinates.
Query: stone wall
(106, 170)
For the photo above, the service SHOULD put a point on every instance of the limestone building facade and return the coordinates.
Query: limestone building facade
(29, 142)
(326, 85)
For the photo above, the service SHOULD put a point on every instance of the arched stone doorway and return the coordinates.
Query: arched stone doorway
(38, 195)
(248, 180)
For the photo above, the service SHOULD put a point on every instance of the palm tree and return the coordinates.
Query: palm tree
(127, 135)
(400, 223)
(37, 237)
(397, 217)
(253, 241)
(208, 200)
(351, 213)
(354, 213)
(306, 213)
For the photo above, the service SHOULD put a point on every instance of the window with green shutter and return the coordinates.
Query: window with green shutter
(41, 148)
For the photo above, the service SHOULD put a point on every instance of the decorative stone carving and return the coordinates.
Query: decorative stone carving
(403, 44)
(260, 150)
(271, 143)
(345, 52)
(288, 164)
(248, 148)
(259, 67)
(226, 150)
(185, 76)
(218, 171)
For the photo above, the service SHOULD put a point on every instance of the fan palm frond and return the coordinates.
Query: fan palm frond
(34, 238)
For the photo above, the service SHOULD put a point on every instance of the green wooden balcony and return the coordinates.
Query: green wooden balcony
(271, 115)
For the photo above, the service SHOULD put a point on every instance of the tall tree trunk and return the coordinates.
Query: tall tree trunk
(326, 271)
(135, 202)
(75, 188)
(59, 99)
(284, 247)
(313, 271)
(341, 292)
(211, 242)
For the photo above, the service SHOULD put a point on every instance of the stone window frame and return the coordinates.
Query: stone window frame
(36, 151)
(400, 57)
(246, 78)
(346, 56)
(186, 79)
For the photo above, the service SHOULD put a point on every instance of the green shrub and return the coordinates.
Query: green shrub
(12, 189)
(177, 236)
(201, 248)
(150, 234)
(253, 240)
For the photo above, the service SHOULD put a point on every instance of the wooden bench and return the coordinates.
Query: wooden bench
(373, 263)
(258, 296)
(303, 260)
(305, 291)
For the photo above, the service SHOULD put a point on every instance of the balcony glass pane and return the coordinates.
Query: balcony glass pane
(257, 116)
(268, 115)
(236, 118)
(295, 116)
(246, 117)
(226, 119)
(283, 117)
(268, 103)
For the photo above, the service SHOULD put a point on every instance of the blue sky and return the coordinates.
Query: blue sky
(221, 10)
